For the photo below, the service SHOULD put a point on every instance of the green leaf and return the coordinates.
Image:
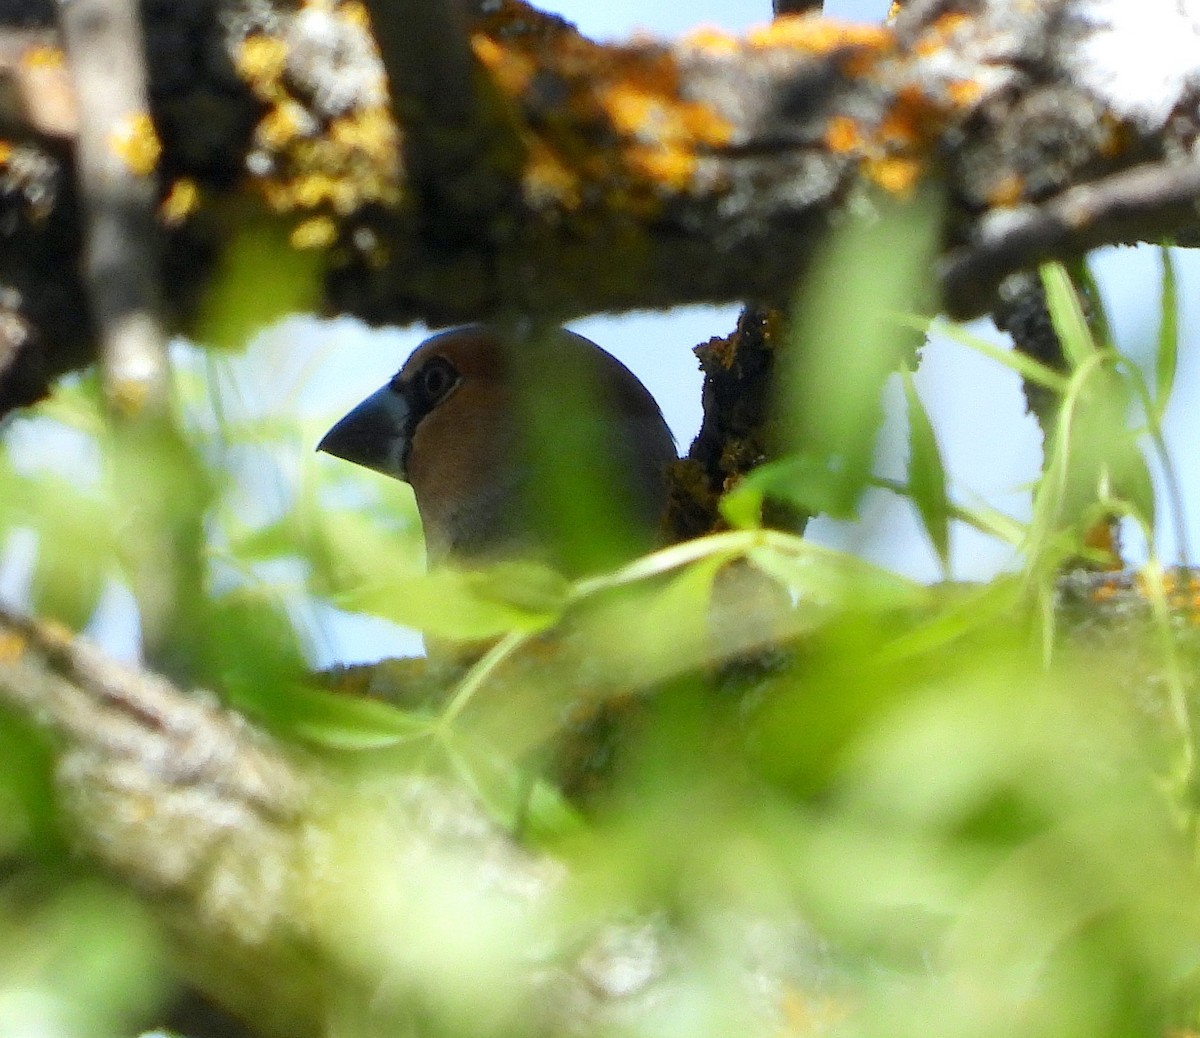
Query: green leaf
(814, 484)
(463, 605)
(262, 278)
(1132, 483)
(741, 507)
(1029, 369)
(345, 722)
(927, 474)
(833, 581)
(68, 579)
(1166, 357)
(76, 548)
(1066, 312)
(650, 631)
(846, 342)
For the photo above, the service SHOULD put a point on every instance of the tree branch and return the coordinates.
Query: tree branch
(423, 45)
(287, 890)
(117, 151)
(1148, 201)
(641, 175)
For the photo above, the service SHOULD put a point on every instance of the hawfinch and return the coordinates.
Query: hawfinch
(478, 430)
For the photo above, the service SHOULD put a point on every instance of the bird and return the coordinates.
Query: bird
(549, 450)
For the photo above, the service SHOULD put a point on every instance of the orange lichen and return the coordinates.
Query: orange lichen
(937, 35)
(181, 202)
(6, 151)
(964, 92)
(671, 167)
(1117, 136)
(896, 174)
(860, 62)
(898, 128)
(816, 35)
(1104, 593)
(134, 141)
(711, 40)
(1007, 191)
(842, 135)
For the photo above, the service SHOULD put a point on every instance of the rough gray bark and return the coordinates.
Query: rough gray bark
(619, 177)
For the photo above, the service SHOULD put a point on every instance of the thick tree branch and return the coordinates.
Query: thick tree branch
(644, 175)
(294, 896)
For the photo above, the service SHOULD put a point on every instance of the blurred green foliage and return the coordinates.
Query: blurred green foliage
(910, 810)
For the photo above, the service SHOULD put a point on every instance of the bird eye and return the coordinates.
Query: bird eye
(436, 379)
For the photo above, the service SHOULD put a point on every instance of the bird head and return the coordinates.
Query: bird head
(478, 430)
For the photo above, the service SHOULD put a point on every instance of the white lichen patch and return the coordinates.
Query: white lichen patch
(1139, 56)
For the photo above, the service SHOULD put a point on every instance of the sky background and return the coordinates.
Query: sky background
(991, 447)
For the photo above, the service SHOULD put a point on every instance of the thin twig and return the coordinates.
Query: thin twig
(427, 57)
(796, 6)
(1130, 206)
(117, 152)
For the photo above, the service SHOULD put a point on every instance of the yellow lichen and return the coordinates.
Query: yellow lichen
(43, 56)
(311, 160)
(356, 14)
(512, 70)
(311, 189)
(282, 124)
(6, 151)
(548, 179)
(128, 396)
(316, 233)
(261, 60)
(370, 132)
(182, 200)
(134, 141)
(12, 647)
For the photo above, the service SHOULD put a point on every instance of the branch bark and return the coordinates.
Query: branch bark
(646, 175)
(1149, 201)
(295, 896)
(116, 151)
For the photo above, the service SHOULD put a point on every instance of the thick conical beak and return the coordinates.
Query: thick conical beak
(374, 434)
